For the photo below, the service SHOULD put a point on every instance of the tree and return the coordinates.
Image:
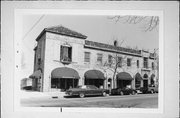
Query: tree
(114, 62)
(149, 22)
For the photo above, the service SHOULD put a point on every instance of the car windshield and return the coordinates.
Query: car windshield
(92, 87)
(83, 87)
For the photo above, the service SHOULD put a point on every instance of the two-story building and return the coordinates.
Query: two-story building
(65, 58)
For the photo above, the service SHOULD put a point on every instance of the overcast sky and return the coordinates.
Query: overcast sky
(96, 28)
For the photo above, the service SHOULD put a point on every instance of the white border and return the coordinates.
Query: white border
(17, 44)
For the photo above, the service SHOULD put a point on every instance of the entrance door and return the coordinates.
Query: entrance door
(145, 83)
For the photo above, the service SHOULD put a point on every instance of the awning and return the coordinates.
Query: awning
(36, 74)
(94, 74)
(64, 72)
(124, 76)
(138, 77)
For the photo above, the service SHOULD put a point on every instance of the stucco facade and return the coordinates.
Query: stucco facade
(48, 57)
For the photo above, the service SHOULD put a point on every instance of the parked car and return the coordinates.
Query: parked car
(86, 90)
(150, 89)
(123, 91)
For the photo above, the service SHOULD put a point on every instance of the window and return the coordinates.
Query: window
(152, 65)
(128, 62)
(119, 62)
(145, 62)
(86, 56)
(137, 63)
(99, 58)
(66, 54)
(39, 61)
(110, 59)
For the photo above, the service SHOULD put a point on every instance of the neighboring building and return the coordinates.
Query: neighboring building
(65, 58)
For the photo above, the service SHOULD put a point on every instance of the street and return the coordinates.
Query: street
(125, 101)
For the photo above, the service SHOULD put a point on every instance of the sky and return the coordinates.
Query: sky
(96, 28)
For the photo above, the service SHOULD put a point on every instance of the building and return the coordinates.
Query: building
(65, 58)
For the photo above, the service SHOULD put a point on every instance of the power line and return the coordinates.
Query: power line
(33, 26)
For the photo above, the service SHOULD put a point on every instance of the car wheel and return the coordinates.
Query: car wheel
(121, 93)
(133, 93)
(104, 93)
(81, 95)
(152, 91)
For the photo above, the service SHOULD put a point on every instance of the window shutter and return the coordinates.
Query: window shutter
(70, 53)
(61, 53)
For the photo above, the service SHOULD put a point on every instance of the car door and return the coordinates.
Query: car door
(88, 90)
(95, 90)
(126, 91)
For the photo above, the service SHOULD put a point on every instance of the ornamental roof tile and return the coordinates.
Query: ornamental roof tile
(65, 31)
(62, 31)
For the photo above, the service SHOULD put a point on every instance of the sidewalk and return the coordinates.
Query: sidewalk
(35, 94)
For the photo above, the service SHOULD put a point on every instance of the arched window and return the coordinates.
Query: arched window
(145, 76)
(152, 79)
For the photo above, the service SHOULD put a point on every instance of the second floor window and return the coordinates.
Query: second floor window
(145, 62)
(119, 61)
(128, 62)
(66, 54)
(99, 58)
(86, 56)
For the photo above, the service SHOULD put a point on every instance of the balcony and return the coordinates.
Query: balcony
(66, 60)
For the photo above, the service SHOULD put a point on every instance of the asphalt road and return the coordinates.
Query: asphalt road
(125, 101)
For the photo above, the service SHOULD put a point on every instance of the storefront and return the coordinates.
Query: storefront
(64, 78)
(152, 79)
(94, 77)
(36, 80)
(138, 79)
(124, 79)
(145, 80)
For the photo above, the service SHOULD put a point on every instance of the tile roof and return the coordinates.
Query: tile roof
(107, 47)
(65, 31)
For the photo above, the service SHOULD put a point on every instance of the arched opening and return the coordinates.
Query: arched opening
(94, 77)
(64, 78)
(145, 76)
(145, 80)
(152, 79)
(124, 79)
(138, 79)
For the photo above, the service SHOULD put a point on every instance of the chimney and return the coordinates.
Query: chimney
(115, 43)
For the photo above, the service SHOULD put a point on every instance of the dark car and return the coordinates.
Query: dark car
(86, 90)
(150, 89)
(123, 91)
